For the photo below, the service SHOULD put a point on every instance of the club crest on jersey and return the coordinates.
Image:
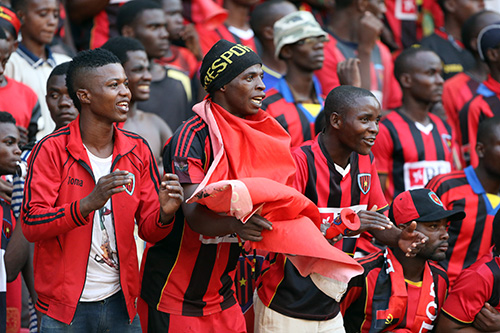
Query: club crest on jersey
(130, 187)
(364, 182)
(447, 140)
(435, 199)
(7, 229)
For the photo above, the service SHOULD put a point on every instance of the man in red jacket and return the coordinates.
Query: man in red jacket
(87, 185)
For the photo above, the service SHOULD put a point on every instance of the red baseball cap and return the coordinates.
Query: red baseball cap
(421, 205)
(9, 18)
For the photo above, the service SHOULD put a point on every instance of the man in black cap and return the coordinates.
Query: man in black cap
(188, 276)
(400, 292)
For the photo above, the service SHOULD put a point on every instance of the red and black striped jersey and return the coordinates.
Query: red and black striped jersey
(281, 287)
(377, 300)
(478, 284)
(485, 104)
(295, 118)
(383, 83)
(208, 37)
(409, 156)
(470, 238)
(187, 273)
(457, 91)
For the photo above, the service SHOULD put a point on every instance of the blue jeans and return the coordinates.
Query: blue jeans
(109, 315)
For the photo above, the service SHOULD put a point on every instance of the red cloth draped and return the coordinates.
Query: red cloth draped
(256, 151)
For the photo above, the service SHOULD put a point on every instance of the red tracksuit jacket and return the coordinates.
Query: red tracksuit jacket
(59, 176)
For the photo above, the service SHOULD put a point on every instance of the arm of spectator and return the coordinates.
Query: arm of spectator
(80, 10)
(369, 33)
(372, 220)
(206, 222)
(6, 190)
(488, 319)
(448, 325)
(171, 196)
(408, 240)
(348, 72)
(16, 253)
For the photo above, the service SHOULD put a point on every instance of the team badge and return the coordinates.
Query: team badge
(7, 229)
(435, 198)
(130, 187)
(364, 182)
(447, 140)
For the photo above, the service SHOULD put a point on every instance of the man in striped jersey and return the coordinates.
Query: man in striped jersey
(414, 145)
(475, 190)
(397, 293)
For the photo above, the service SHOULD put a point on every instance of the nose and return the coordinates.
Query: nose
(444, 234)
(2, 68)
(17, 150)
(164, 33)
(53, 18)
(373, 128)
(439, 78)
(260, 83)
(147, 76)
(125, 91)
(65, 101)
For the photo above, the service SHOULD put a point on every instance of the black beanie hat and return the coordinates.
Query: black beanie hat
(224, 62)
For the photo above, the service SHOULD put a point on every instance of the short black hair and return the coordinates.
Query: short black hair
(341, 100)
(404, 63)
(81, 65)
(59, 70)
(263, 15)
(6, 117)
(342, 4)
(471, 28)
(131, 10)
(18, 5)
(3, 35)
(120, 45)
(486, 129)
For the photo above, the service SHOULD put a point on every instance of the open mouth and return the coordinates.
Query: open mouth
(369, 141)
(144, 88)
(258, 100)
(123, 106)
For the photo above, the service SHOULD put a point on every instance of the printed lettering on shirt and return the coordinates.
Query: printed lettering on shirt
(233, 238)
(331, 215)
(418, 174)
(75, 181)
(430, 311)
(406, 10)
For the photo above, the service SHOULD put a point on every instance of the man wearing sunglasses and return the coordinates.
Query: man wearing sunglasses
(297, 98)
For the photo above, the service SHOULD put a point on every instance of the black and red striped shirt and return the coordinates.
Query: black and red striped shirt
(470, 238)
(281, 287)
(485, 104)
(187, 273)
(409, 156)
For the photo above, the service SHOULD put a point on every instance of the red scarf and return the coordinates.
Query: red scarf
(253, 168)
(396, 311)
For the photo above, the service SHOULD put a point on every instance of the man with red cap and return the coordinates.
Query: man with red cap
(397, 292)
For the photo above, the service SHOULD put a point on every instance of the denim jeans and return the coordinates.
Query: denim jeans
(109, 315)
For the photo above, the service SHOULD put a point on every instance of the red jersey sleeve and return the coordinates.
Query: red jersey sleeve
(474, 115)
(468, 295)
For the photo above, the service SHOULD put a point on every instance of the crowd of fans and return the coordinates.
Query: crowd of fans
(250, 166)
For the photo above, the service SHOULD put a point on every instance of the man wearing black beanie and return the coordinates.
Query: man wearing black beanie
(188, 276)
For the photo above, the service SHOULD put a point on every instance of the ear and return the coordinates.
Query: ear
(286, 52)
(405, 80)
(480, 149)
(127, 31)
(473, 43)
(336, 120)
(361, 5)
(450, 5)
(492, 55)
(268, 33)
(84, 96)
(21, 15)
